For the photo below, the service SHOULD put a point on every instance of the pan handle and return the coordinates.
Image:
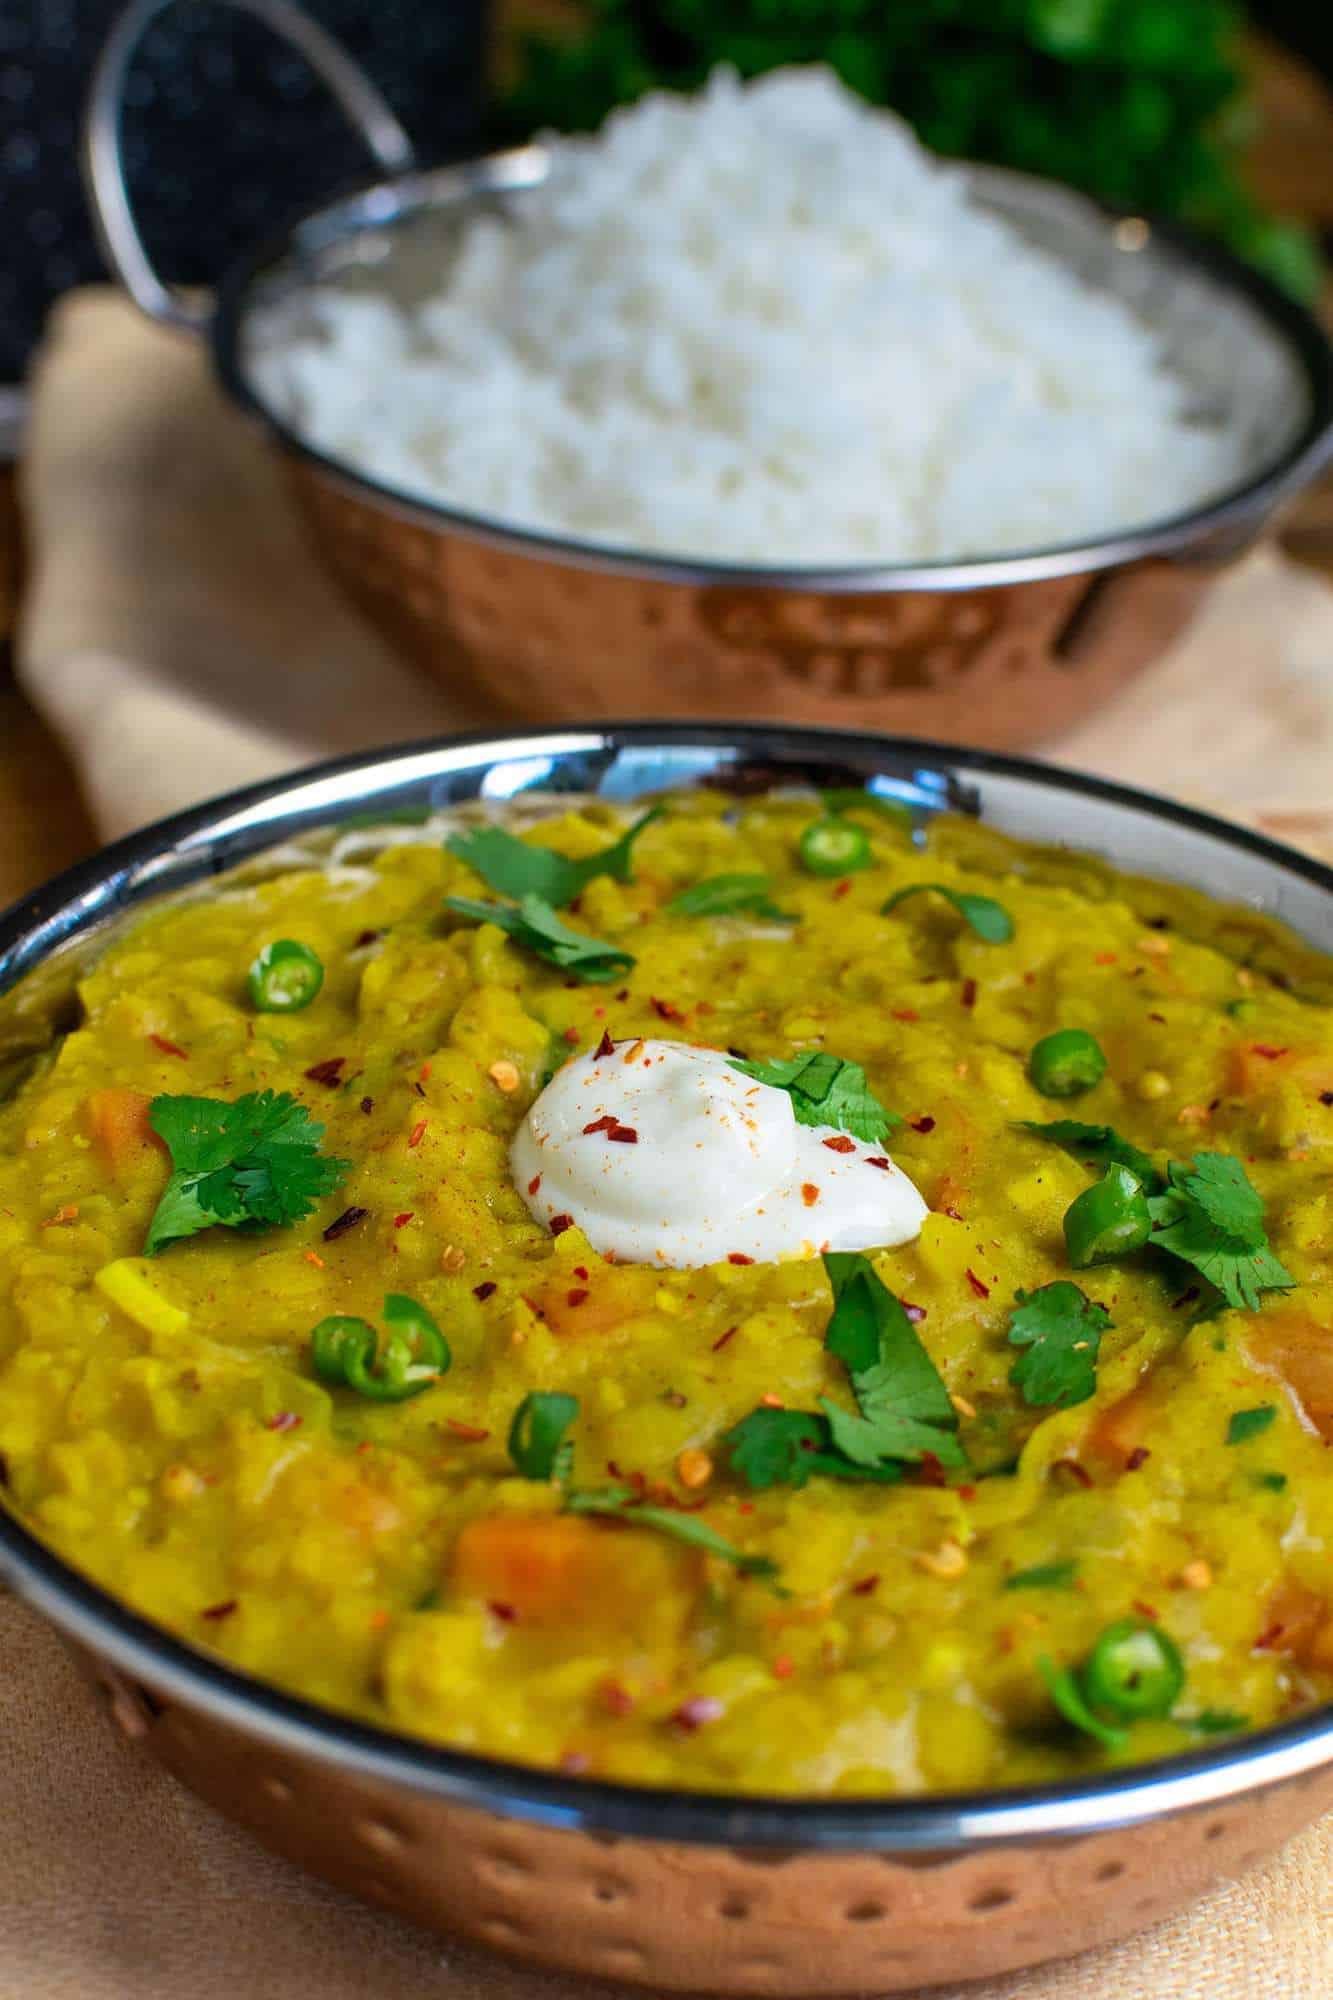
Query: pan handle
(104, 167)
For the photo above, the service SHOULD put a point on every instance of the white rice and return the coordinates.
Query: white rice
(759, 324)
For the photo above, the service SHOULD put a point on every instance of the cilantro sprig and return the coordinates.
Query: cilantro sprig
(514, 867)
(1060, 1331)
(1211, 1216)
(251, 1163)
(827, 1090)
(535, 925)
(728, 896)
(903, 1409)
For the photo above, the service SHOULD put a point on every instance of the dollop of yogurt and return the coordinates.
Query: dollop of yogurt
(666, 1154)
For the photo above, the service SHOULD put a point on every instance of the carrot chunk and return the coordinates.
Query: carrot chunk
(562, 1571)
(118, 1122)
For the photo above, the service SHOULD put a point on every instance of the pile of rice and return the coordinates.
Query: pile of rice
(760, 324)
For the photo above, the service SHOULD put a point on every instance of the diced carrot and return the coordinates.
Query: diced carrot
(1257, 1069)
(561, 1570)
(1299, 1622)
(1299, 1353)
(118, 1121)
(613, 1300)
(1118, 1431)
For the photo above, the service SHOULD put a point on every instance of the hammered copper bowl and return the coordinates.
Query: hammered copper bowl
(1004, 651)
(674, 1890)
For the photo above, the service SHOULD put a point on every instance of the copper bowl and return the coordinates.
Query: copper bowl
(676, 1890)
(1004, 650)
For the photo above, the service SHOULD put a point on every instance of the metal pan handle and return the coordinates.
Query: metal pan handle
(104, 167)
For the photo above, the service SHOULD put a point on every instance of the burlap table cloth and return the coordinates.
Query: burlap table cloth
(181, 638)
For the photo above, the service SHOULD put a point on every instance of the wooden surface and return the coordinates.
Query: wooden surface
(43, 824)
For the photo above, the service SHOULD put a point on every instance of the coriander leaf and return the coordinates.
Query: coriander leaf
(905, 1408)
(517, 868)
(1271, 1482)
(1097, 1146)
(1061, 1330)
(784, 1447)
(826, 1090)
(621, 1503)
(1249, 1423)
(724, 895)
(1216, 1721)
(1211, 1216)
(254, 1162)
(537, 1442)
(982, 914)
(1067, 1695)
(534, 924)
(1043, 1576)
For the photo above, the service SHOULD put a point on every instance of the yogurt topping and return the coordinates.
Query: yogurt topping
(666, 1154)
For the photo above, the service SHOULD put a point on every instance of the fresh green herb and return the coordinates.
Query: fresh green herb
(1109, 1219)
(1097, 1146)
(826, 1090)
(905, 1411)
(285, 977)
(413, 1354)
(1066, 1063)
(1217, 1721)
(1134, 1671)
(622, 1503)
(535, 925)
(834, 847)
(253, 1163)
(1211, 1217)
(1061, 1330)
(785, 1447)
(728, 895)
(537, 1441)
(846, 798)
(982, 914)
(1249, 1423)
(514, 867)
(1271, 1482)
(1067, 1695)
(1043, 1576)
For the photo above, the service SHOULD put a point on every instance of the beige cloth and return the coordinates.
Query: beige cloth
(181, 638)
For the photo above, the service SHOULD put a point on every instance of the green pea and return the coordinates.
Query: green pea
(834, 847)
(1066, 1063)
(285, 977)
(1134, 1671)
(1108, 1220)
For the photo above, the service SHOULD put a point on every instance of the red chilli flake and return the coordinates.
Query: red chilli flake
(329, 1071)
(170, 1049)
(905, 1014)
(877, 1160)
(809, 1193)
(571, 1035)
(560, 1223)
(623, 1135)
(738, 1257)
(606, 1047)
(285, 1420)
(968, 996)
(722, 1339)
(1144, 1610)
(216, 1612)
(534, 1183)
(840, 889)
(342, 1223)
(694, 1713)
(606, 1123)
(417, 1134)
(929, 1471)
(1105, 958)
(364, 938)
(576, 1295)
(841, 1144)
(1139, 1456)
(982, 1291)
(401, 1221)
(485, 1289)
(467, 1433)
(866, 1585)
(367, 1105)
(922, 1124)
(1264, 1049)
(783, 1667)
(1326, 1097)
(664, 1009)
(581, 1272)
(1268, 1638)
(615, 1698)
(1078, 1473)
(504, 1612)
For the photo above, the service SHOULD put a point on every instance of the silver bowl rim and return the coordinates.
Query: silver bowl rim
(1212, 532)
(200, 843)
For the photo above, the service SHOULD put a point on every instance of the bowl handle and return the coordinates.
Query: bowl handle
(104, 168)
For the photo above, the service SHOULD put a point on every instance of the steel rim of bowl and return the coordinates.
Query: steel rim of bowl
(77, 902)
(1215, 530)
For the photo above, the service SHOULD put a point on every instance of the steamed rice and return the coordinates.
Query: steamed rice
(760, 324)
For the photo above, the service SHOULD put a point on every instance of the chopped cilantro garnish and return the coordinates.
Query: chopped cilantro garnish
(514, 867)
(253, 1163)
(1216, 1721)
(1271, 1482)
(903, 1414)
(729, 895)
(623, 1503)
(1098, 1146)
(535, 924)
(1043, 1576)
(982, 914)
(826, 1090)
(1249, 1423)
(1061, 1330)
(1211, 1217)
(1068, 1697)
